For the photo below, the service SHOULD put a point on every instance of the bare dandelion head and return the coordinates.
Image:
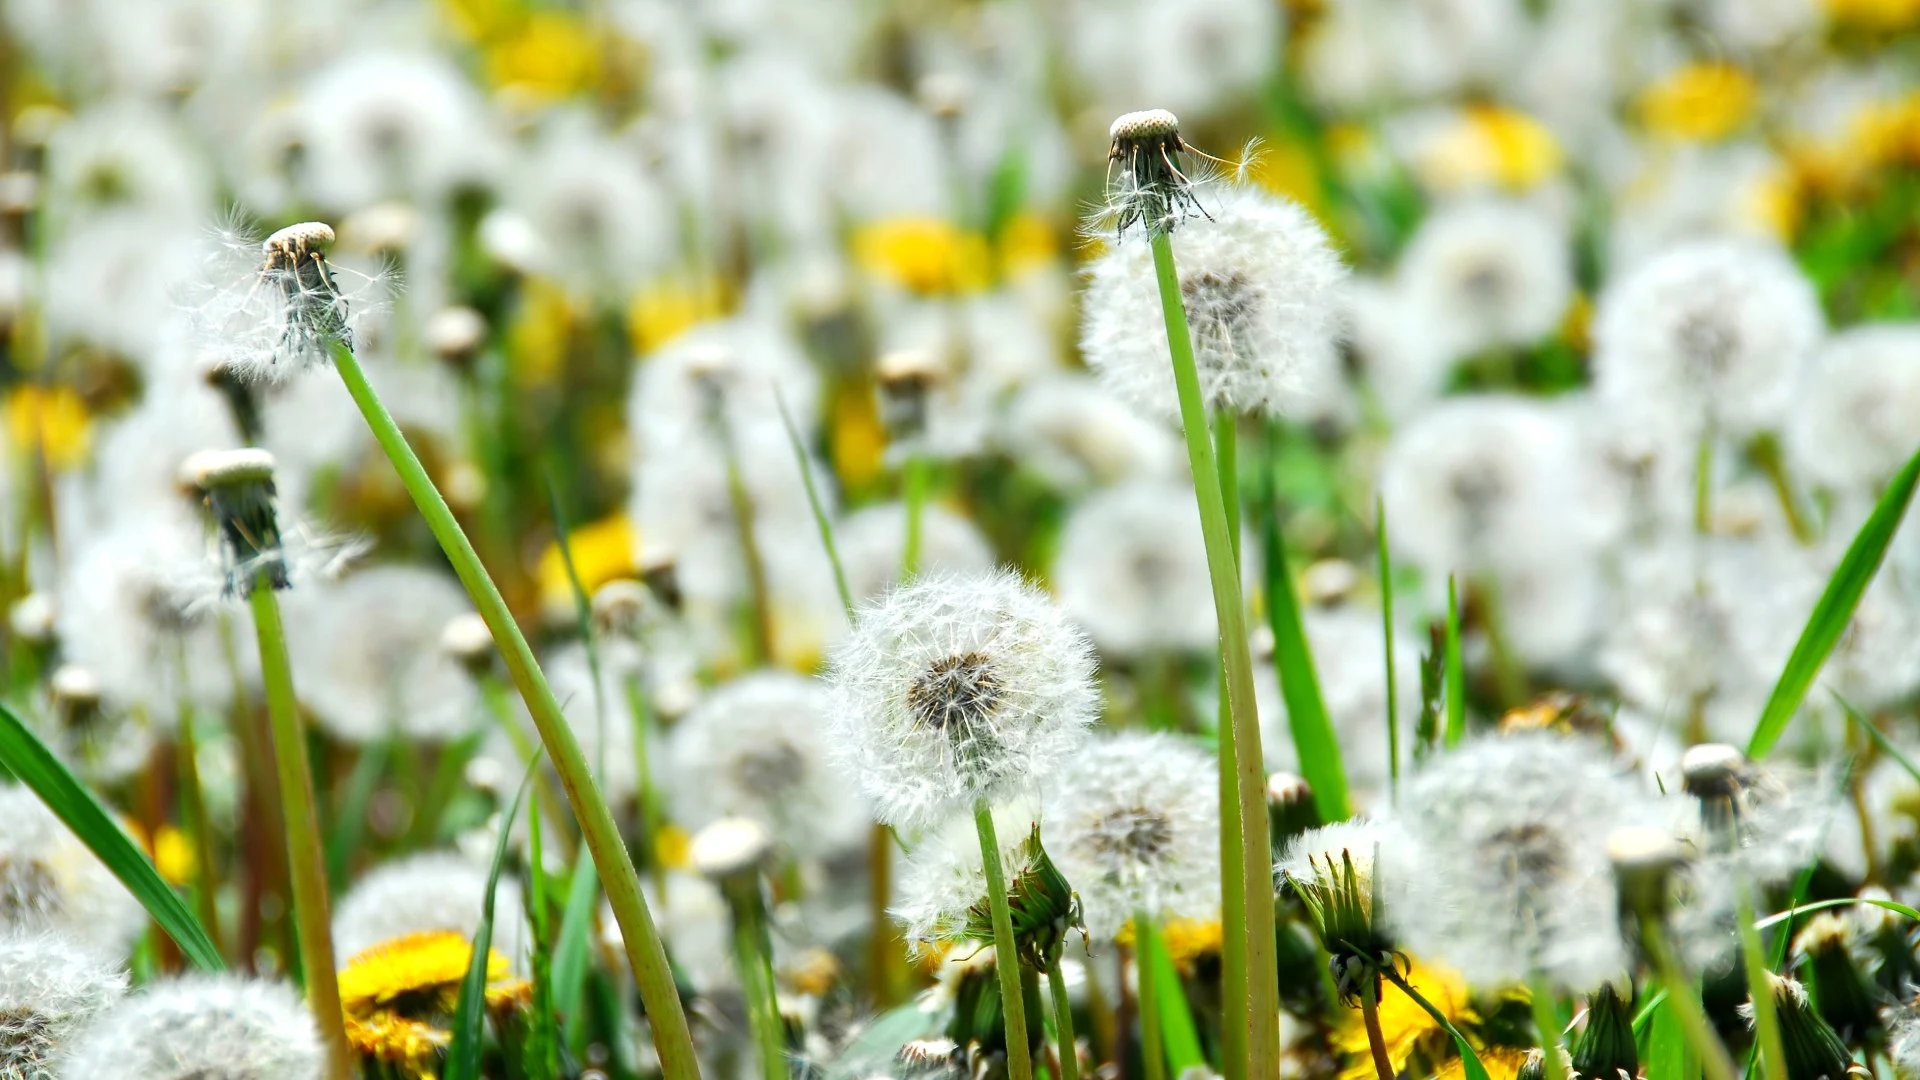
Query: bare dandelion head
(1151, 189)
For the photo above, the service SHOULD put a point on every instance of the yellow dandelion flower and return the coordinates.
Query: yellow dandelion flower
(1489, 145)
(1775, 203)
(1699, 102)
(665, 309)
(1028, 242)
(1503, 1063)
(52, 421)
(926, 255)
(547, 55)
(1881, 15)
(419, 975)
(540, 334)
(173, 855)
(814, 973)
(1189, 941)
(602, 551)
(673, 847)
(1404, 1024)
(857, 440)
(412, 1044)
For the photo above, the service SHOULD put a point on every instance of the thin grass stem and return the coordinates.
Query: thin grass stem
(1548, 1022)
(1013, 1005)
(1684, 1000)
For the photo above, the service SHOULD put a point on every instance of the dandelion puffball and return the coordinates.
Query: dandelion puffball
(202, 1026)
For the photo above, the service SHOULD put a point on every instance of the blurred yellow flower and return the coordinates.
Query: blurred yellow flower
(393, 993)
(1699, 102)
(1503, 1063)
(1404, 1024)
(1489, 145)
(1286, 167)
(52, 421)
(602, 551)
(547, 54)
(858, 442)
(663, 310)
(540, 334)
(673, 847)
(1874, 14)
(173, 855)
(926, 255)
(1775, 202)
(1191, 940)
(1027, 242)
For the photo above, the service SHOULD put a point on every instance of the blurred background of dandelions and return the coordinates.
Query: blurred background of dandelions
(800, 373)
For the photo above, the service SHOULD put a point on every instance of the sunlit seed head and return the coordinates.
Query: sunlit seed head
(34, 618)
(50, 988)
(50, 881)
(203, 1026)
(1644, 859)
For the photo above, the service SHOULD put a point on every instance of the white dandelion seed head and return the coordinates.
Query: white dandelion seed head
(1903, 1048)
(1710, 334)
(872, 544)
(50, 881)
(945, 876)
(1131, 568)
(1748, 26)
(730, 846)
(1076, 434)
(1134, 826)
(1688, 194)
(957, 688)
(105, 743)
(50, 988)
(748, 365)
(596, 208)
(1261, 285)
(1370, 842)
(1487, 274)
(201, 1026)
(1192, 58)
(380, 124)
(1858, 414)
(1349, 655)
(316, 432)
(125, 155)
(1480, 483)
(367, 659)
(1509, 878)
(108, 281)
(434, 890)
(1876, 663)
(1370, 52)
(137, 458)
(756, 748)
(1405, 365)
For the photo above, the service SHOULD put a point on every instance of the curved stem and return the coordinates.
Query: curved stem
(1376, 1040)
(1256, 1012)
(644, 951)
(305, 862)
(1006, 956)
(1064, 1037)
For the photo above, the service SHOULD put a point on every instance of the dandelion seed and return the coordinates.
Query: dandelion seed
(1855, 425)
(50, 989)
(1487, 275)
(202, 1026)
(955, 689)
(1075, 434)
(50, 881)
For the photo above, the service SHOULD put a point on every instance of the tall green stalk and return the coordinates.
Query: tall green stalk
(1068, 1042)
(1684, 999)
(622, 882)
(1548, 1022)
(1386, 631)
(1256, 1011)
(1006, 956)
(307, 865)
(915, 479)
(751, 956)
(1376, 1039)
(1233, 900)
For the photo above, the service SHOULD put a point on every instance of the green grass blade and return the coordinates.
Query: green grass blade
(1179, 1037)
(583, 621)
(541, 1056)
(820, 518)
(1667, 1051)
(1314, 740)
(1456, 681)
(1468, 1058)
(1798, 910)
(29, 760)
(1873, 731)
(350, 822)
(1834, 609)
(571, 954)
(463, 1053)
(1386, 630)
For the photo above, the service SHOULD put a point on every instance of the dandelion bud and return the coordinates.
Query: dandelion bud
(76, 696)
(469, 642)
(33, 619)
(315, 314)
(1715, 774)
(1812, 1048)
(1643, 861)
(906, 376)
(19, 193)
(1535, 1066)
(1825, 950)
(619, 607)
(944, 897)
(1151, 189)
(1333, 873)
(387, 228)
(730, 848)
(220, 372)
(1605, 1049)
(237, 487)
(1290, 808)
(1328, 582)
(456, 335)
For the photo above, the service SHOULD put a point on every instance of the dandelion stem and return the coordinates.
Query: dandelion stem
(193, 811)
(1153, 1054)
(641, 715)
(1376, 1040)
(1766, 1016)
(644, 951)
(743, 522)
(1703, 484)
(1256, 1010)
(914, 479)
(1684, 1000)
(1064, 1038)
(1233, 901)
(1386, 630)
(305, 863)
(1545, 1019)
(1456, 680)
(1013, 1004)
(750, 955)
(1766, 454)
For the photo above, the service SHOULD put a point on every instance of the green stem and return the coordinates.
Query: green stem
(305, 862)
(1703, 484)
(650, 815)
(1233, 900)
(1153, 1054)
(1766, 454)
(1548, 1022)
(883, 942)
(1456, 677)
(1006, 956)
(914, 483)
(1386, 631)
(748, 539)
(1684, 1000)
(644, 951)
(193, 808)
(1766, 1017)
(1376, 1041)
(750, 955)
(1064, 1037)
(1256, 1012)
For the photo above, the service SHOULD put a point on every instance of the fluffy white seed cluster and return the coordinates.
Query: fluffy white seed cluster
(1711, 334)
(1135, 827)
(429, 891)
(1132, 570)
(953, 689)
(1507, 878)
(202, 1026)
(50, 988)
(1858, 418)
(49, 881)
(1485, 274)
(945, 877)
(756, 747)
(1260, 283)
(872, 543)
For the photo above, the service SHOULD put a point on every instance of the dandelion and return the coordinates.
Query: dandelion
(1135, 827)
(400, 995)
(1487, 275)
(756, 748)
(943, 886)
(1076, 434)
(50, 989)
(1508, 868)
(50, 881)
(1812, 1049)
(201, 1026)
(433, 891)
(1710, 335)
(272, 312)
(1833, 957)
(1337, 872)
(106, 744)
(1132, 570)
(1258, 278)
(872, 544)
(1854, 426)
